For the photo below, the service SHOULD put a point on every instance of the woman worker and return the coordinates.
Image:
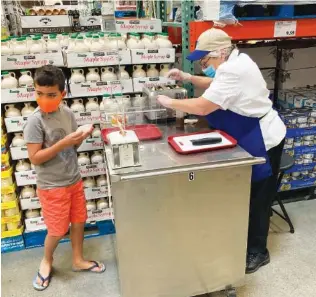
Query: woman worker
(236, 101)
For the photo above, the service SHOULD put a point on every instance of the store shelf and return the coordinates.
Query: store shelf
(262, 29)
(172, 24)
(36, 239)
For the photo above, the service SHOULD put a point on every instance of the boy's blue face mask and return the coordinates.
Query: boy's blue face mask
(210, 71)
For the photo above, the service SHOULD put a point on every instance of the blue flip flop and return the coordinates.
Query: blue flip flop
(41, 287)
(90, 269)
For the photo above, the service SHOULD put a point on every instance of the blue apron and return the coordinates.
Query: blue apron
(247, 132)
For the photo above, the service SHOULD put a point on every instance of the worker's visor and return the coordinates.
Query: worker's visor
(198, 55)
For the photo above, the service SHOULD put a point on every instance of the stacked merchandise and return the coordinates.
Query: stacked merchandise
(95, 63)
(11, 227)
(301, 136)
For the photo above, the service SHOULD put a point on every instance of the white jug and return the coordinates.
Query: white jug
(139, 101)
(125, 101)
(37, 46)
(102, 41)
(152, 71)
(87, 39)
(163, 41)
(53, 44)
(6, 48)
(26, 80)
(108, 104)
(81, 46)
(20, 47)
(83, 159)
(93, 75)
(72, 44)
(11, 111)
(138, 71)
(96, 133)
(149, 41)
(97, 158)
(134, 41)
(89, 182)
(77, 105)
(116, 41)
(164, 69)
(28, 192)
(23, 165)
(123, 74)
(96, 45)
(8, 80)
(27, 109)
(18, 140)
(92, 104)
(102, 204)
(108, 74)
(91, 205)
(77, 76)
(32, 213)
(101, 181)
(64, 41)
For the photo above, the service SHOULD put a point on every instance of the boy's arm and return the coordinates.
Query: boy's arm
(34, 137)
(37, 155)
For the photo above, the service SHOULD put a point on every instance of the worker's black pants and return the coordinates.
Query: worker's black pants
(261, 198)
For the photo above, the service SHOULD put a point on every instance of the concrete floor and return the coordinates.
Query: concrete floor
(292, 271)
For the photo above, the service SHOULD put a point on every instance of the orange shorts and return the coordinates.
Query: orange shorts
(62, 206)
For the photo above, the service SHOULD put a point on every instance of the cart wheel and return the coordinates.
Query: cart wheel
(231, 292)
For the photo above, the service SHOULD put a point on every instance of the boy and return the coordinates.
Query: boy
(51, 137)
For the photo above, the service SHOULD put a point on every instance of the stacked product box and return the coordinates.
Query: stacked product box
(301, 143)
(11, 227)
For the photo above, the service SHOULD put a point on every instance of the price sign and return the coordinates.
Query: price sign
(285, 29)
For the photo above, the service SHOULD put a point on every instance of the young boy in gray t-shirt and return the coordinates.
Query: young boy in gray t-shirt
(52, 137)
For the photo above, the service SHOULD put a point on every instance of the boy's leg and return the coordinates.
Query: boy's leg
(50, 245)
(78, 217)
(55, 207)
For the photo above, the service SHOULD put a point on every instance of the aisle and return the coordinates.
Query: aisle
(291, 273)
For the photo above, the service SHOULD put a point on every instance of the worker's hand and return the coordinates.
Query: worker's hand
(165, 101)
(177, 74)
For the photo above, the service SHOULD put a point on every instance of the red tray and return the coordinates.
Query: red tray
(179, 150)
(143, 132)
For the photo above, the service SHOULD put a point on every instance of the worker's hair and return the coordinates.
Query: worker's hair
(48, 76)
(226, 52)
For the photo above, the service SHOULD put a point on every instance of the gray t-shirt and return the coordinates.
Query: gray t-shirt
(49, 128)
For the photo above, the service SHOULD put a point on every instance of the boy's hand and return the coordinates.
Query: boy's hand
(73, 139)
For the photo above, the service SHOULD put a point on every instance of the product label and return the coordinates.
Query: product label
(285, 28)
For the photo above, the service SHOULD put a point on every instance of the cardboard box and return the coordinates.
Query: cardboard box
(138, 25)
(12, 244)
(90, 23)
(29, 61)
(161, 55)
(45, 24)
(96, 192)
(18, 95)
(90, 89)
(11, 233)
(12, 219)
(30, 203)
(92, 169)
(15, 124)
(91, 144)
(140, 83)
(9, 204)
(35, 224)
(24, 178)
(18, 152)
(100, 215)
(93, 59)
(91, 117)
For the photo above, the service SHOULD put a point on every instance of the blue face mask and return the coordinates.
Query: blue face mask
(210, 71)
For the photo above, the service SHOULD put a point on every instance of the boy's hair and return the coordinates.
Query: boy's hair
(49, 76)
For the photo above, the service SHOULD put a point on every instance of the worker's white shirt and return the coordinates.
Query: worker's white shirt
(240, 87)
